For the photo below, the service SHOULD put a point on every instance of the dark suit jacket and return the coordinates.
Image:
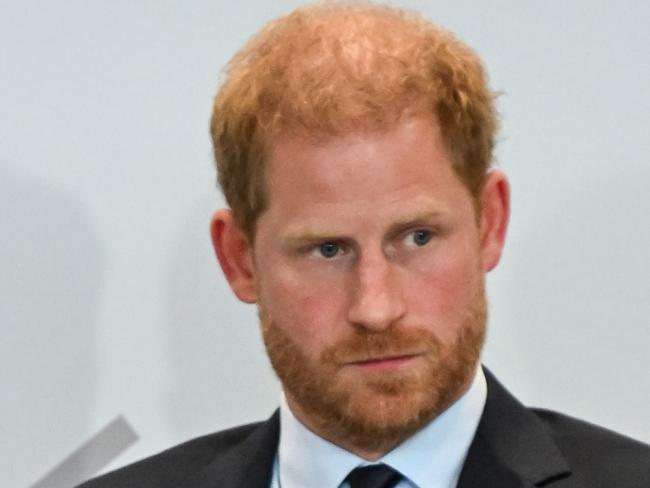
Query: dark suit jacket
(514, 447)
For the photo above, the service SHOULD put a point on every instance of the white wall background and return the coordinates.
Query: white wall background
(111, 301)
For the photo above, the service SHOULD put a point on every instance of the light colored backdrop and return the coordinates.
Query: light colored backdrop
(111, 301)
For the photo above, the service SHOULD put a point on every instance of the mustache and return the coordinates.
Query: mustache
(364, 346)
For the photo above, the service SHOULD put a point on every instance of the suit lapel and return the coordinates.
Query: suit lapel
(248, 464)
(483, 468)
(512, 447)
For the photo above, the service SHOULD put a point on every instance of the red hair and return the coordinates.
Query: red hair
(333, 68)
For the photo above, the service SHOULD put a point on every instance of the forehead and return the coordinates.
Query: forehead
(411, 148)
(362, 176)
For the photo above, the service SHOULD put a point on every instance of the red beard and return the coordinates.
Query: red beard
(377, 410)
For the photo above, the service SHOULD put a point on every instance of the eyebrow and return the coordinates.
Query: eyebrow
(306, 234)
(410, 221)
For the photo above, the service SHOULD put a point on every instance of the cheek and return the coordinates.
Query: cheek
(442, 293)
(310, 310)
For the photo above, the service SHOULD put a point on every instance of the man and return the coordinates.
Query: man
(353, 145)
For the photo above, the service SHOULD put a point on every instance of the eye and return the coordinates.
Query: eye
(421, 237)
(329, 249)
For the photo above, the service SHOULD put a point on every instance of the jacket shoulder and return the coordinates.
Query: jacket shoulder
(598, 456)
(168, 468)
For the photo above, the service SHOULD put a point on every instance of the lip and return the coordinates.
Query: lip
(385, 362)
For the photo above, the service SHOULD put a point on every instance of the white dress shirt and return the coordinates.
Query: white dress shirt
(431, 458)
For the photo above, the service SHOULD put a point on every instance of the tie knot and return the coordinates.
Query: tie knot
(374, 476)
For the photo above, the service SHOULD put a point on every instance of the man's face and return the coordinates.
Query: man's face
(368, 267)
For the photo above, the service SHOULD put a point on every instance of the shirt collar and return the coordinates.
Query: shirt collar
(431, 458)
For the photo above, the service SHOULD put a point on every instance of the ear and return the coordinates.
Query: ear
(235, 255)
(495, 213)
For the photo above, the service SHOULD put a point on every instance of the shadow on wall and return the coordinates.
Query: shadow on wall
(220, 374)
(50, 285)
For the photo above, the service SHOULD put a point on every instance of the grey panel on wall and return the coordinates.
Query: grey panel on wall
(91, 456)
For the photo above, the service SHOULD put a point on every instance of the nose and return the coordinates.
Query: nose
(377, 298)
